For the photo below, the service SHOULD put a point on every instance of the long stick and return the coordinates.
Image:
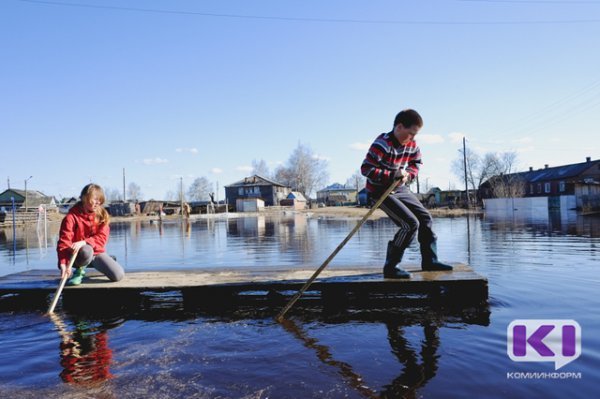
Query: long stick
(292, 301)
(62, 284)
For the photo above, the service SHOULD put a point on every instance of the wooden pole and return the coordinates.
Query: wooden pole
(465, 165)
(62, 284)
(291, 303)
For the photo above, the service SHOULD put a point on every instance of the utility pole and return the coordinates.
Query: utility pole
(26, 192)
(8, 182)
(181, 194)
(124, 199)
(465, 166)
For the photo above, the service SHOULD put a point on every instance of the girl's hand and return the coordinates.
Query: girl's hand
(78, 245)
(65, 270)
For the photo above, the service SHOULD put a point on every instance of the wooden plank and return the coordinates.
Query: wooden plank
(242, 279)
(222, 290)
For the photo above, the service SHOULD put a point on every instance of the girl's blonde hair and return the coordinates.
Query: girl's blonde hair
(102, 216)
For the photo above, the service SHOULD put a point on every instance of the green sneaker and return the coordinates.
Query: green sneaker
(78, 276)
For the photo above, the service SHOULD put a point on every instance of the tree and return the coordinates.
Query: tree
(494, 169)
(304, 171)
(473, 165)
(481, 169)
(172, 195)
(357, 180)
(112, 194)
(134, 192)
(260, 168)
(200, 189)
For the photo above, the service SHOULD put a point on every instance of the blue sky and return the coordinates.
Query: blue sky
(185, 88)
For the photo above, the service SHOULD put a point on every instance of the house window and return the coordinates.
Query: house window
(539, 188)
(546, 187)
(241, 191)
(562, 186)
(531, 189)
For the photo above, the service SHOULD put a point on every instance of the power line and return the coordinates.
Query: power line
(570, 2)
(320, 20)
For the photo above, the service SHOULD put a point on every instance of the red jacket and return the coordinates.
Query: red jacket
(79, 225)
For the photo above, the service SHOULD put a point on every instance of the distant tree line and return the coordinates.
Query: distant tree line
(493, 168)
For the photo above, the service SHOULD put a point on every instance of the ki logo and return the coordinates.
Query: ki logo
(556, 341)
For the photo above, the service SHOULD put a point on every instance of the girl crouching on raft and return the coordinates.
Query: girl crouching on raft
(86, 229)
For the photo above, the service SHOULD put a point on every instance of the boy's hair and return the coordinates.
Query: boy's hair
(102, 216)
(408, 118)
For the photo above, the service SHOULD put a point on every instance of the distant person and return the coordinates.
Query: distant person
(396, 156)
(86, 228)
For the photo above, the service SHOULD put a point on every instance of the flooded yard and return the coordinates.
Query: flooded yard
(542, 267)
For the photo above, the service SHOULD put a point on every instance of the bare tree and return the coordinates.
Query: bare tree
(473, 166)
(507, 186)
(172, 195)
(134, 192)
(304, 171)
(482, 169)
(260, 168)
(112, 194)
(357, 180)
(200, 189)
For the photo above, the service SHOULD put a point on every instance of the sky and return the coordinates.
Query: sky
(172, 90)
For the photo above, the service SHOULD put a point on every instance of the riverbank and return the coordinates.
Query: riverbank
(330, 212)
(359, 212)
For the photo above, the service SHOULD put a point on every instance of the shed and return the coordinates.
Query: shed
(249, 204)
(294, 199)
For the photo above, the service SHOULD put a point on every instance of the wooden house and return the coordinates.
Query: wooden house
(563, 186)
(34, 199)
(337, 195)
(259, 187)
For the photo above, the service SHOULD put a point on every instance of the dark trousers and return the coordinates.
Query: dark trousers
(412, 218)
(101, 262)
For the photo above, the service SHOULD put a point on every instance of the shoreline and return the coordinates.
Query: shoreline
(329, 212)
(345, 212)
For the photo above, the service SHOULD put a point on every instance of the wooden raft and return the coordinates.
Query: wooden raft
(226, 287)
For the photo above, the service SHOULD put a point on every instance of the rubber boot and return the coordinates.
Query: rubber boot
(429, 259)
(78, 276)
(393, 257)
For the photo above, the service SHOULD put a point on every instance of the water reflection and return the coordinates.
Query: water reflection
(567, 222)
(85, 356)
(419, 367)
(28, 241)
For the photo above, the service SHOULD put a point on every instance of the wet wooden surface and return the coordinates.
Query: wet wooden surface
(279, 278)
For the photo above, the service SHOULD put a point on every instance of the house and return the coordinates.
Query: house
(294, 199)
(561, 187)
(66, 203)
(257, 186)
(587, 196)
(34, 199)
(427, 199)
(337, 195)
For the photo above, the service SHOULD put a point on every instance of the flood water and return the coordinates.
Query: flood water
(538, 267)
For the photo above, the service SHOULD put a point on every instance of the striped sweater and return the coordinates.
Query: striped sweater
(385, 156)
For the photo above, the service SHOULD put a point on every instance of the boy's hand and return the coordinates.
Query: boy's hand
(401, 174)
